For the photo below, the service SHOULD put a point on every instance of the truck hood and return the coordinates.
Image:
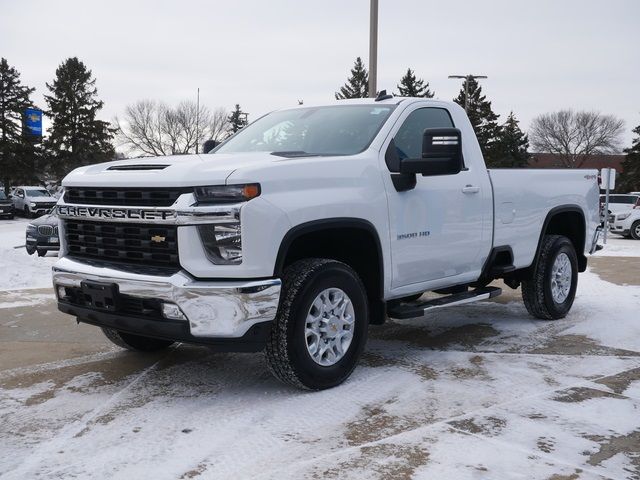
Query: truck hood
(169, 171)
(42, 199)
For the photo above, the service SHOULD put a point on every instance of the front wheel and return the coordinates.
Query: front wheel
(136, 342)
(549, 293)
(635, 230)
(41, 252)
(321, 326)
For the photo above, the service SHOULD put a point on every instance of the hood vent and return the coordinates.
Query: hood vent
(138, 167)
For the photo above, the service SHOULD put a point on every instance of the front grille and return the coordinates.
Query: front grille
(48, 230)
(133, 197)
(126, 304)
(155, 245)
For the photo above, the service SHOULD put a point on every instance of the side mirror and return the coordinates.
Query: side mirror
(209, 145)
(441, 153)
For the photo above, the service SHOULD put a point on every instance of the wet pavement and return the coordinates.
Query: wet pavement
(476, 391)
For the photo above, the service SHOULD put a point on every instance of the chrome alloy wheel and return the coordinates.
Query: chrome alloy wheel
(561, 276)
(637, 230)
(329, 326)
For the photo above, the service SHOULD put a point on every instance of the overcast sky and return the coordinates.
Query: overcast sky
(539, 55)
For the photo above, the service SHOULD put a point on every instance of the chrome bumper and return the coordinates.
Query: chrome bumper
(225, 309)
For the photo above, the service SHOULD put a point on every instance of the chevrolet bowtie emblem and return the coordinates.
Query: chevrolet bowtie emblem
(158, 239)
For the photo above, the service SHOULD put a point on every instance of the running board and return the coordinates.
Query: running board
(419, 309)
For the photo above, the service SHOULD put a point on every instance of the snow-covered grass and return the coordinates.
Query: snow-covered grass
(18, 269)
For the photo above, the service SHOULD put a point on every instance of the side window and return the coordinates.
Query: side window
(408, 140)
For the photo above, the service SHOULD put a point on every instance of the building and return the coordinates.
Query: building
(552, 160)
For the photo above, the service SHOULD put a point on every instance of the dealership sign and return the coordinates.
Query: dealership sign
(33, 122)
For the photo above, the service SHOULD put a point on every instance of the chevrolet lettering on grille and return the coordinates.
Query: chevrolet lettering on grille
(115, 213)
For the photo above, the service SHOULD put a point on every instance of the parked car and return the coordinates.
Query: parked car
(619, 202)
(626, 223)
(42, 235)
(6, 206)
(310, 224)
(32, 201)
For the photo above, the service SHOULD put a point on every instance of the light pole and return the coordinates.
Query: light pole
(198, 121)
(373, 48)
(468, 78)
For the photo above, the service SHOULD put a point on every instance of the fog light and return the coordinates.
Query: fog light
(172, 311)
(62, 292)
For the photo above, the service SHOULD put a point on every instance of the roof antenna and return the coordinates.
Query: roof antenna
(382, 95)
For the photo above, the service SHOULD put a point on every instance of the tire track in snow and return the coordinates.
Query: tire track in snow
(67, 433)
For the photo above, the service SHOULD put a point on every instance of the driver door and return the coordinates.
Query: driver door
(436, 228)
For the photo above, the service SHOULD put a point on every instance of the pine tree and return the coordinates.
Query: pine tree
(357, 85)
(482, 117)
(512, 147)
(76, 137)
(17, 154)
(237, 120)
(630, 178)
(410, 86)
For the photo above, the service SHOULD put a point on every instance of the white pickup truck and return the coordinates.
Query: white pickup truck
(308, 225)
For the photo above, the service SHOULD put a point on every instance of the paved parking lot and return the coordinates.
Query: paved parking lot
(476, 391)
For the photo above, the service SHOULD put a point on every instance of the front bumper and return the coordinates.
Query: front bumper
(213, 308)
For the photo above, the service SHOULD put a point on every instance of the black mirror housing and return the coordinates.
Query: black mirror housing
(209, 145)
(441, 153)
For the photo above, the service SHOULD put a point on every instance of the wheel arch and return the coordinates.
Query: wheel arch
(567, 220)
(354, 241)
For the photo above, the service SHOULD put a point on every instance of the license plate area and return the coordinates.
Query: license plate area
(101, 295)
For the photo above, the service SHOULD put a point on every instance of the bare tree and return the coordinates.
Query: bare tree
(151, 128)
(219, 127)
(575, 135)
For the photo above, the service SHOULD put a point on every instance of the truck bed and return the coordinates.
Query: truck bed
(524, 197)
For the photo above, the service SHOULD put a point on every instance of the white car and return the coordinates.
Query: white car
(626, 223)
(32, 201)
(310, 224)
(620, 203)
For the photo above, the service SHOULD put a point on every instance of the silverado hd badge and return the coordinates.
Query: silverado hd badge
(72, 211)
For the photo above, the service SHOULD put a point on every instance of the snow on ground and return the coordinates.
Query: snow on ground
(618, 246)
(18, 269)
(480, 391)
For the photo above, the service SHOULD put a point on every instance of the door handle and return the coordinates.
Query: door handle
(470, 189)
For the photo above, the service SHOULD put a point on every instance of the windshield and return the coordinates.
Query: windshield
(38, 193)
(334, 130)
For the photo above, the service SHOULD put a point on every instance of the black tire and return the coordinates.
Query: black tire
(287, 355)
(536, 291)
(634, 232)
(30, 250)
(136, 343)
(27, 213)
(41, 253)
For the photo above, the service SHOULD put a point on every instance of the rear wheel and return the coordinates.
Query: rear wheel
(549, 293)
(635, 230)
(321, 326)
(136, 342)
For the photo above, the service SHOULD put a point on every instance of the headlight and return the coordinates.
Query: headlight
(623, 216)
(31, 228)
(222, 243)
(227, 193)
(33, 204)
